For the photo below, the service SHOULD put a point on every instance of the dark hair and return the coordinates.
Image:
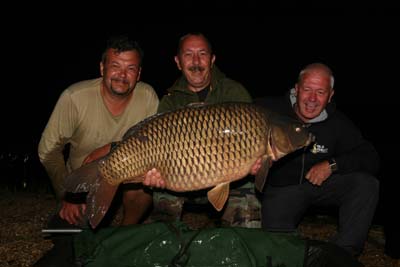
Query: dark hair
(122, 43)
(199, 34)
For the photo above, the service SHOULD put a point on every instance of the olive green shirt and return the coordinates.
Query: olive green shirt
(222, 89)
(82, 119)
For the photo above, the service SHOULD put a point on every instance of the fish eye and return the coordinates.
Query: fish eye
(297, 129)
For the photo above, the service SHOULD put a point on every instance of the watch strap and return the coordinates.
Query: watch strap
(333, 165)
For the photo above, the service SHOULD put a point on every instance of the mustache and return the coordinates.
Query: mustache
(196, 68)
(120, 80)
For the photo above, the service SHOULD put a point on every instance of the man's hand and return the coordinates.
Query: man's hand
(256, 167)
(72, 213)
(153, 178)
(97, 153)
(319, 173)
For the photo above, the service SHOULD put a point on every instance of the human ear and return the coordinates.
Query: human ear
(101, 69)
(178, 63)
(331, 95)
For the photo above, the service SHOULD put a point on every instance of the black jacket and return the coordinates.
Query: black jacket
(336, 137)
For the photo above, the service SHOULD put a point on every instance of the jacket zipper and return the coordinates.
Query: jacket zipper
(302, 165)
(303, 157)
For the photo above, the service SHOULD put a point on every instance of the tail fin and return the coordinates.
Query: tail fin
(99, 200)
(83, 178)
(88, 179)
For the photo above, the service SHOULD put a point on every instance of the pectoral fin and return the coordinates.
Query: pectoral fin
(261, 176)
(218, 195)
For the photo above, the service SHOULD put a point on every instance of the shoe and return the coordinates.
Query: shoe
(321, 253)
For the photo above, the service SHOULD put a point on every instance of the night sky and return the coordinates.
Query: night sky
(263, 52)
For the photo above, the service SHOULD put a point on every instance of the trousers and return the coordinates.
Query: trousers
(354, 194)
(243, 207)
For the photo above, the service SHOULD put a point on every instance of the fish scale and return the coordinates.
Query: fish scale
(228, 143)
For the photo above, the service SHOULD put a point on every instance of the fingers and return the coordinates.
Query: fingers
(318, 173)
(153, 178)
(256, 167)
(72, 213)
(314, 178)
(68, 216)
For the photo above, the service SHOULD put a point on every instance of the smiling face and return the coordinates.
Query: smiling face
(195, 60)
(121, 71)
(313, 93)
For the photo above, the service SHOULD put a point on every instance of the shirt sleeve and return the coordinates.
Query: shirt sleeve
(153, 103)
(353, 152)
(55, 136)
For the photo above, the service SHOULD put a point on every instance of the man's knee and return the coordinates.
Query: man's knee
(366, 185)
(138, 197)
(166, 207)
(283, 208)
(136, 205)
(243, 211)
(274, 223)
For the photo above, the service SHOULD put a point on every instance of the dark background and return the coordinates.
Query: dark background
(262, 50)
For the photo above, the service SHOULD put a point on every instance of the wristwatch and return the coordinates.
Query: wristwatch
(333, 165)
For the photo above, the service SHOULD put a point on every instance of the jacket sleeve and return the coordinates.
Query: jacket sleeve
(235, 92)
(55, 136)
(353, 152)
(166, 104)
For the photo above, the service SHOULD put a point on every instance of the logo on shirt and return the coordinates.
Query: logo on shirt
(319, 149)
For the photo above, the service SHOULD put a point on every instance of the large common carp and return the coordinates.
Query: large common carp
(196, 147)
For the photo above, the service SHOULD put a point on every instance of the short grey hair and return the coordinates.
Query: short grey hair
(316, 67)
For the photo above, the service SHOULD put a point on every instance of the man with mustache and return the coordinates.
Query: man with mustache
(92, 113)
(203, 82)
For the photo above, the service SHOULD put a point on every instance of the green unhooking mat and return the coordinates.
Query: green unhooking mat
(161, 244)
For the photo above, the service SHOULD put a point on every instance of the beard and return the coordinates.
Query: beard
(121, 91)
